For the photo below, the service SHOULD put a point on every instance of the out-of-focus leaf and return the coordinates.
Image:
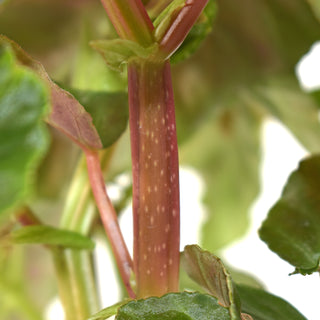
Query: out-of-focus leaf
(15, 299)
(90, 72)
(174, 306)
(291, 229)
(262, 305)
(23, 137)
(51, 236)
(225, 151)
(315, 5)
(209, 272)
(109, 112)
(296, 109)
(108, 312)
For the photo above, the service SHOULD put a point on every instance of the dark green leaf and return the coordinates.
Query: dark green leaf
(292, 227)
(225, 150)
(262, 305)
(107, 312)
(23, 137)
(174, 306)
(209, 272)
(52, 236)
(109, 112)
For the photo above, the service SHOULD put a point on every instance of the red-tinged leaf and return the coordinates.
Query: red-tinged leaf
(209, 272)
(67, 114)
(70, 117)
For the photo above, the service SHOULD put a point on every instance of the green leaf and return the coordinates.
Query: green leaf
(174, 306)
(209, 272)
(51, 236)
(297, 110)
(109, 112)
(315, 5)
(90, 71)
(228, 162)
(262, 305)
(67, 114)
(16, 298)
(108, 312)
(23, 137)
(118, 52)
(291, 228)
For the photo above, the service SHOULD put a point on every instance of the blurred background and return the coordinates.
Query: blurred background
(247, 105)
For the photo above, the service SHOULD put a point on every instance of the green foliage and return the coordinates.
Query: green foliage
(262, 305)
(242, 74)
(109, 112)
(291, 229)
(209, 272)
(23, 137)
(51, 236)
(118, 52)
(107, 312)
(174, 306)
(229, 164)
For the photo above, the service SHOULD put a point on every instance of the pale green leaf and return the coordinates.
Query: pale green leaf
(297, 110)
(108, 312)
(226, 152)
(51, 236)
(118, 52)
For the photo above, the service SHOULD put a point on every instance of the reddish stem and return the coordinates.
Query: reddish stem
(109, 219)
(130, 19)
(180, 26)
(26, 217)
(155, 178)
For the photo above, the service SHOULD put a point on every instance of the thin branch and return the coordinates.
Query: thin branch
(109, 219)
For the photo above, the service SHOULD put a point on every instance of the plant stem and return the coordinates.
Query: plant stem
(109, 219)
(130, 20)
(64, 283)
(74, 268)
(155, 178)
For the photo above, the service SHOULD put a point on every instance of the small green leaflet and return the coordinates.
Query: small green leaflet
(108, 312)
(174, 306)
(292, 227)
(51, 236)
(23, 136)
(118, 52)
